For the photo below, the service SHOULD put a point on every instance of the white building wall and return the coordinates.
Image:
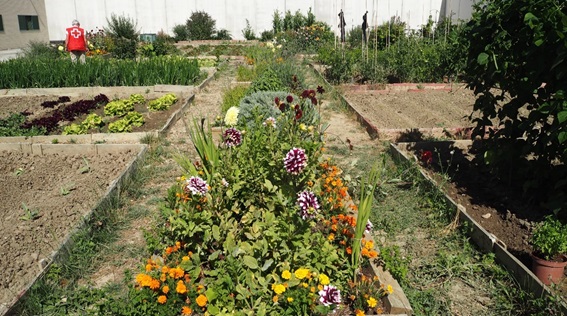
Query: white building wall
(153, 16)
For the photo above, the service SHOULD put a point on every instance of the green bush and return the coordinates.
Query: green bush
(125, 37)
(267, 36)
(180, 32)
(41, 50)
(516, 67)
(248, 32)
(200, 26)
(267, 81)
(232, 97)
(259, 104)
(224, 35)
(245, 73)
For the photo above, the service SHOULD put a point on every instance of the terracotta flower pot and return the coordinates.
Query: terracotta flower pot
(548, 271)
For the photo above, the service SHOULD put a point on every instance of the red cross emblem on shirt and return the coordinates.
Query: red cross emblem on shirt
(76, 33)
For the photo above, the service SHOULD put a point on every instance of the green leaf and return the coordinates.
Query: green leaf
(211, 294)
(268, 184)
(212, 309)
(250, 262)
(216, 232)
(214, 255)
(562, 137)
(562, 116)
(538, 42)
(267, 264)
(482, 58)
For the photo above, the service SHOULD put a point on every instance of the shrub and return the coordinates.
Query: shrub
(516, 66)
(223, 34)
(232, 97)
(259, 104)
(41, 50)
(267, 81)
(267, 36)
(124, 36)
(180, 32)
(248, 32)
(163, 45)
(200, 26)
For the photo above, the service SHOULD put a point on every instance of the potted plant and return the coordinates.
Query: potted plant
(549, 241)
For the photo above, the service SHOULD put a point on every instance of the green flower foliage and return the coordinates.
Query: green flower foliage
(517, 67)
(549, 239)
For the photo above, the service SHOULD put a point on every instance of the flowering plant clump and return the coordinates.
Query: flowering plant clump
(295, 161)
(308, 204)
(232, 137)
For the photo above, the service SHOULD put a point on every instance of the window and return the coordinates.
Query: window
(28, 22)
(1, 24)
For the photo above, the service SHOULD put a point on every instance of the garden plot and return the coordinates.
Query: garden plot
(46, 191)
(502, 212)
(33, 104)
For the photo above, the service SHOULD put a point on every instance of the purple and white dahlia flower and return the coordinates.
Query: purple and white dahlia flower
(197, 186)
(232, 137)
(330, 295)
(295, 161)
(368, 227)
(270, 122)
(308, 204)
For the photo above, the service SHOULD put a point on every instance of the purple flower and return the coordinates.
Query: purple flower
(289, 99)
(197, 186)
(232, 137)
(330, 295)
(295, 161)
(369, 227)
(308, 204)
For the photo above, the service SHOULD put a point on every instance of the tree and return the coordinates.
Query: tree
(201, 26)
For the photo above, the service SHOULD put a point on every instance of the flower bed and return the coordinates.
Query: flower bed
(262, 224)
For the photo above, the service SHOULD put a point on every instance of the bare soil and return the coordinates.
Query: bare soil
(43, 199)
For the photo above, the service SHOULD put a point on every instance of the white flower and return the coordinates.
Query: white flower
(231, 117)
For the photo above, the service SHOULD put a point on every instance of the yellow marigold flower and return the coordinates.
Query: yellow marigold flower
(302, 127)
(305, 285)
(390, 289)
(312, 289)
(278, 288)
(369, 245)
(143, 279)
(163, 277)
(185, 258)
(181, 288)
(323, 279)
(320, 287)
(164, 269)
(286, 274)
(290, 299)
(275, 299)
(371, 302)
(201, 300)
(162, 299)
(148, 267)
(301, 273)
(186, 310)
(200, 287)
(165, 289)
(231, 117)
(358, 312)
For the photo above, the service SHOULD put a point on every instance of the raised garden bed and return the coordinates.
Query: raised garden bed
(48, 192)
(155, 122)
(499, 217)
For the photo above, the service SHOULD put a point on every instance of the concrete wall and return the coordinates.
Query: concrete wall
(155, 15)
(12, 37)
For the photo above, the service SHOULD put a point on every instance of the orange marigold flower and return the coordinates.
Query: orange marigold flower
(334, 227)
(181, 288)
(154, 284)
(162, 299)
(163, 277)
(165, 289)
(369, 245)
(148, 267)
(186, 310)
(144, 280)
(331, 237)
(358, 312)
(168, 250)
(372, 254)
(364, 252)
(349, 250)
(342, 242)
(201, 300)
(275, 299)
